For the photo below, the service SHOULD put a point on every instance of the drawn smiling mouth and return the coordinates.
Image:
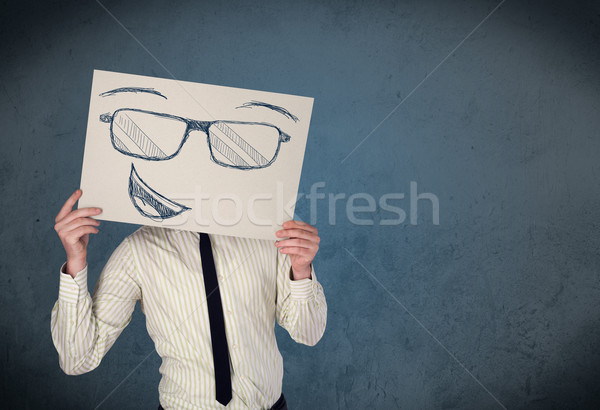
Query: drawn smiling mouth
(150, 203)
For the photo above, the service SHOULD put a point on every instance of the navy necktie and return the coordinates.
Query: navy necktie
(217, 322)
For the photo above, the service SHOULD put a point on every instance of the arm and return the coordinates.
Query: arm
(84, 328)
(301, 305)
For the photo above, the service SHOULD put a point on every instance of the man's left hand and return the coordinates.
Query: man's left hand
(302, 246)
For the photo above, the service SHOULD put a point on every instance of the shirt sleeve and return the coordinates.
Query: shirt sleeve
(301, 305)
(85, 327)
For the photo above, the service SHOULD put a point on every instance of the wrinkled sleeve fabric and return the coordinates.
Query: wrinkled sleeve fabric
(301, 304)
(85, 327)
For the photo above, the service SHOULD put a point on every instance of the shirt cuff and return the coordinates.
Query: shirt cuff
(72, 289)
(303, 289)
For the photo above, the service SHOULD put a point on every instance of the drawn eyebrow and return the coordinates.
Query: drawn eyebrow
(131, 90)
(277, 108)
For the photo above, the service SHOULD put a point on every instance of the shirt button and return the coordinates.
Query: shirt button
(229, 311)
(220, 277)
(234, 346)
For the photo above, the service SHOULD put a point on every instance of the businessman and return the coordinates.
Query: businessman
(216, 338)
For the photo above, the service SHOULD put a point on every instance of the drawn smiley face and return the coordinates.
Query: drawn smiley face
(155, 136)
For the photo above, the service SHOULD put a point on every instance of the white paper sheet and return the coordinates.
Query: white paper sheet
(193, 156)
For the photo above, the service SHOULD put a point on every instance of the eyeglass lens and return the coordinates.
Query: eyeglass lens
(245, 145)
(147, 135)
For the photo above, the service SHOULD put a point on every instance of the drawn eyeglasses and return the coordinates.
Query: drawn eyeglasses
(157, 137)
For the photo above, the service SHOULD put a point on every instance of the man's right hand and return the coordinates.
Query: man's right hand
(74, 229)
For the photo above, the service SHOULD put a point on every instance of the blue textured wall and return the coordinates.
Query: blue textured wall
(498, 305)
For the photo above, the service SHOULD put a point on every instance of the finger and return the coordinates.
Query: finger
(78, 214)
(76, 234)
(298, 233)
(299, 224)
(303, 243)
(65, 229)
(294, 250)
(68, 205)
(296, 222)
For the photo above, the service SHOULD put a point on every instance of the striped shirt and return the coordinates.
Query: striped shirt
(161, 267)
